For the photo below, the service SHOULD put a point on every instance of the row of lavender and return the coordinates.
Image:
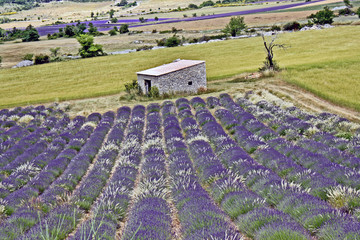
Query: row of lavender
(167, 174)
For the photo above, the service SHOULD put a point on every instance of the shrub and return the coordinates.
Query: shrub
(124, 28)
(28, 56)
(324, 16)
(194, 14)
(112, 32)
(358, 12)
(145, 47)
(208, 3)
(0, 60)
(156, 19)
(275, 28)
(133, 86)
(345, 11)
(154, 92)
(292, 26)
(41, 59)
(172, 41)
(142, 19)
(154, 31)
(114, 20)
(193, 6)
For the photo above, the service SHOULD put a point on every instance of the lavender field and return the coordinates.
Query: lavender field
(214, 168)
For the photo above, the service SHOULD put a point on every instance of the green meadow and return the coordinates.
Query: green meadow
(325, 62)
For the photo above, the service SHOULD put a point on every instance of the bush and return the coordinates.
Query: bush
(154, 31)
(0, 60)
(142, 20)
(154, 92)
(292, 26)
(172, 41)
(345, 11)
(114, 20)
(193, 6)
(28, 56)
(275, 28)
(41, 59)
(145, 47)
(124, 28)
(358, 12)
(322, 17)
(208, 3)
(112, 32)
(133, 87)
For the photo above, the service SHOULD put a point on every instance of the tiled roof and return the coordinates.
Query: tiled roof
(171, 67)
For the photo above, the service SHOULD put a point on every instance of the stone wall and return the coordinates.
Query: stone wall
(178, 81)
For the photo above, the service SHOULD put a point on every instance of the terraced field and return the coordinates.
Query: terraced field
(215, 168)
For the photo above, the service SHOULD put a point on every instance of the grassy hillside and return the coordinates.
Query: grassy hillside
(84, 78)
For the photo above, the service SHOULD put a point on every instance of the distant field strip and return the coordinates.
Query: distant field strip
(101, 76)
(252, 11)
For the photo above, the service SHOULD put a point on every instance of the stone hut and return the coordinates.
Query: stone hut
(178, 76)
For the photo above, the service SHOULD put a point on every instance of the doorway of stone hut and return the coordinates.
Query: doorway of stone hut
(147, 86)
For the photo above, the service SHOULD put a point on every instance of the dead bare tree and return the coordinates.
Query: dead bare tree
(270, 63)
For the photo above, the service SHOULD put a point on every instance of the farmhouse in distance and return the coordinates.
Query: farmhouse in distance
(178, 76)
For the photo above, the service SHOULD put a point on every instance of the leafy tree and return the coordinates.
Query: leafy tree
(30, 34)
(111, 13)
(358, 12)
(88, 48)
(324, 16)
(235, 26)
(92, 14)
(124, 28)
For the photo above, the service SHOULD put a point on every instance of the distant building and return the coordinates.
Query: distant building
(178, 76)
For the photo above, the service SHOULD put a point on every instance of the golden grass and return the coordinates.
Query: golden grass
(107, 75)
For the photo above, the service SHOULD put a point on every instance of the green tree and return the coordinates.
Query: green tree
(124, 28)
(235, 26)
(88, 48)
(92, 14)
(93, 30)
(30, 34)
(358, 12)
(324, 16)
(111, 13)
